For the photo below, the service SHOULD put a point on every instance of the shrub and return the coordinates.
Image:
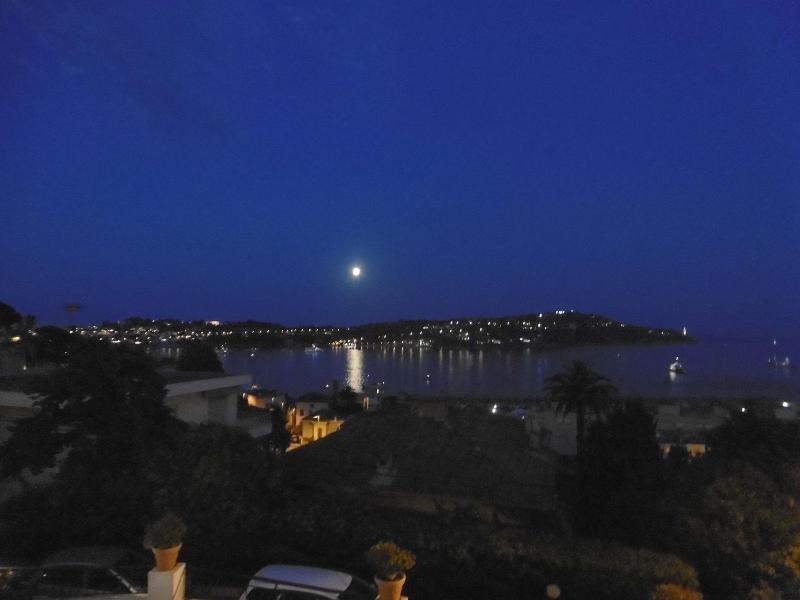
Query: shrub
(598, 569)
(167, 532)
(389, 561)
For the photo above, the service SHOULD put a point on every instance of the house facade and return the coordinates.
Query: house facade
(208, 399)
(318, 426)
(304, 409)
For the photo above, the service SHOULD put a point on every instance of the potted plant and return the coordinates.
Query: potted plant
(390, 563)
(164, 538)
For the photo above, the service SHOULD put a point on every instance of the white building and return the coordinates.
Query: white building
(205, 398)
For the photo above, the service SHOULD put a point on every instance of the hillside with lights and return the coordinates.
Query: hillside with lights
(536, 330)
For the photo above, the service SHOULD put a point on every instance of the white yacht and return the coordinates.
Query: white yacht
(774, 362)
(675, 366)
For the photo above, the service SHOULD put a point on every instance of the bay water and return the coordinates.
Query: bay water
(713, 368)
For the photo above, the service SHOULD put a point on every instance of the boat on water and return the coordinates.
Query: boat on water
(313, 348)
(675, 366)
(774, 362)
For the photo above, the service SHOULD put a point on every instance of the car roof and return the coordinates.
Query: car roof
(95, 556)
(302, 576)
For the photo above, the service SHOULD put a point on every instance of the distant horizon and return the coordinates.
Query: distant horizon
(751, 335)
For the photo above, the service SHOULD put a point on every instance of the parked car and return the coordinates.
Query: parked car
(295, 582)
(92, 571)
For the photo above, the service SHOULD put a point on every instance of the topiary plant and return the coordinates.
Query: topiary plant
(389, 561)
(167, 532)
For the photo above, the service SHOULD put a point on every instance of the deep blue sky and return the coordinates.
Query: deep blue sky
(231, 160)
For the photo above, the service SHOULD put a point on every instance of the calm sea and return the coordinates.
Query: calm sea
(717, 367)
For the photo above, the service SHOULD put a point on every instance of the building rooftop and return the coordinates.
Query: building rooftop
(175, 376)
(472, 457)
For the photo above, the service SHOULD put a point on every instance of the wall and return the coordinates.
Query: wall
(207, 400)
(192, 408)
(314, 430)
(13, 406)
(213, 406)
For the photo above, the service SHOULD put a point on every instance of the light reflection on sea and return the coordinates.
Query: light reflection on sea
(712, 368)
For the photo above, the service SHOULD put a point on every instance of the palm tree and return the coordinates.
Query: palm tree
(577, 388)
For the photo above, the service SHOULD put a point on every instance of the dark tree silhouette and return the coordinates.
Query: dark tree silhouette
(346, 401)
(102, 421)
(220, 486)
(8, 315)
(621, 477)
(199, 356)
(280, 437)
(102, 395)
(577, 389)
(54, 345)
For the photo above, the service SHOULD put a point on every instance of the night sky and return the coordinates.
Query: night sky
(232, 160)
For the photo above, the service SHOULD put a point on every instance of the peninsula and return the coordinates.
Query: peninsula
(535, 330)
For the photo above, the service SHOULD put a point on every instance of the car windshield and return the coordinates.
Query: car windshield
(136, 575)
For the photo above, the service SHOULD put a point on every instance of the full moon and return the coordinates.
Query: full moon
(356, 271)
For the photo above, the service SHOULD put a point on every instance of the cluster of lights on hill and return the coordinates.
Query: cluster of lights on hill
(556, 327)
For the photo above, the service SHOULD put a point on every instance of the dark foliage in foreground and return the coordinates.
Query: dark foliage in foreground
(620, 477)
(735, 514)
(199, 356)
(102, 419)
(461, 557)
(124, 459)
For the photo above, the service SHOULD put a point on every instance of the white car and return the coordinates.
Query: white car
(294, 582)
